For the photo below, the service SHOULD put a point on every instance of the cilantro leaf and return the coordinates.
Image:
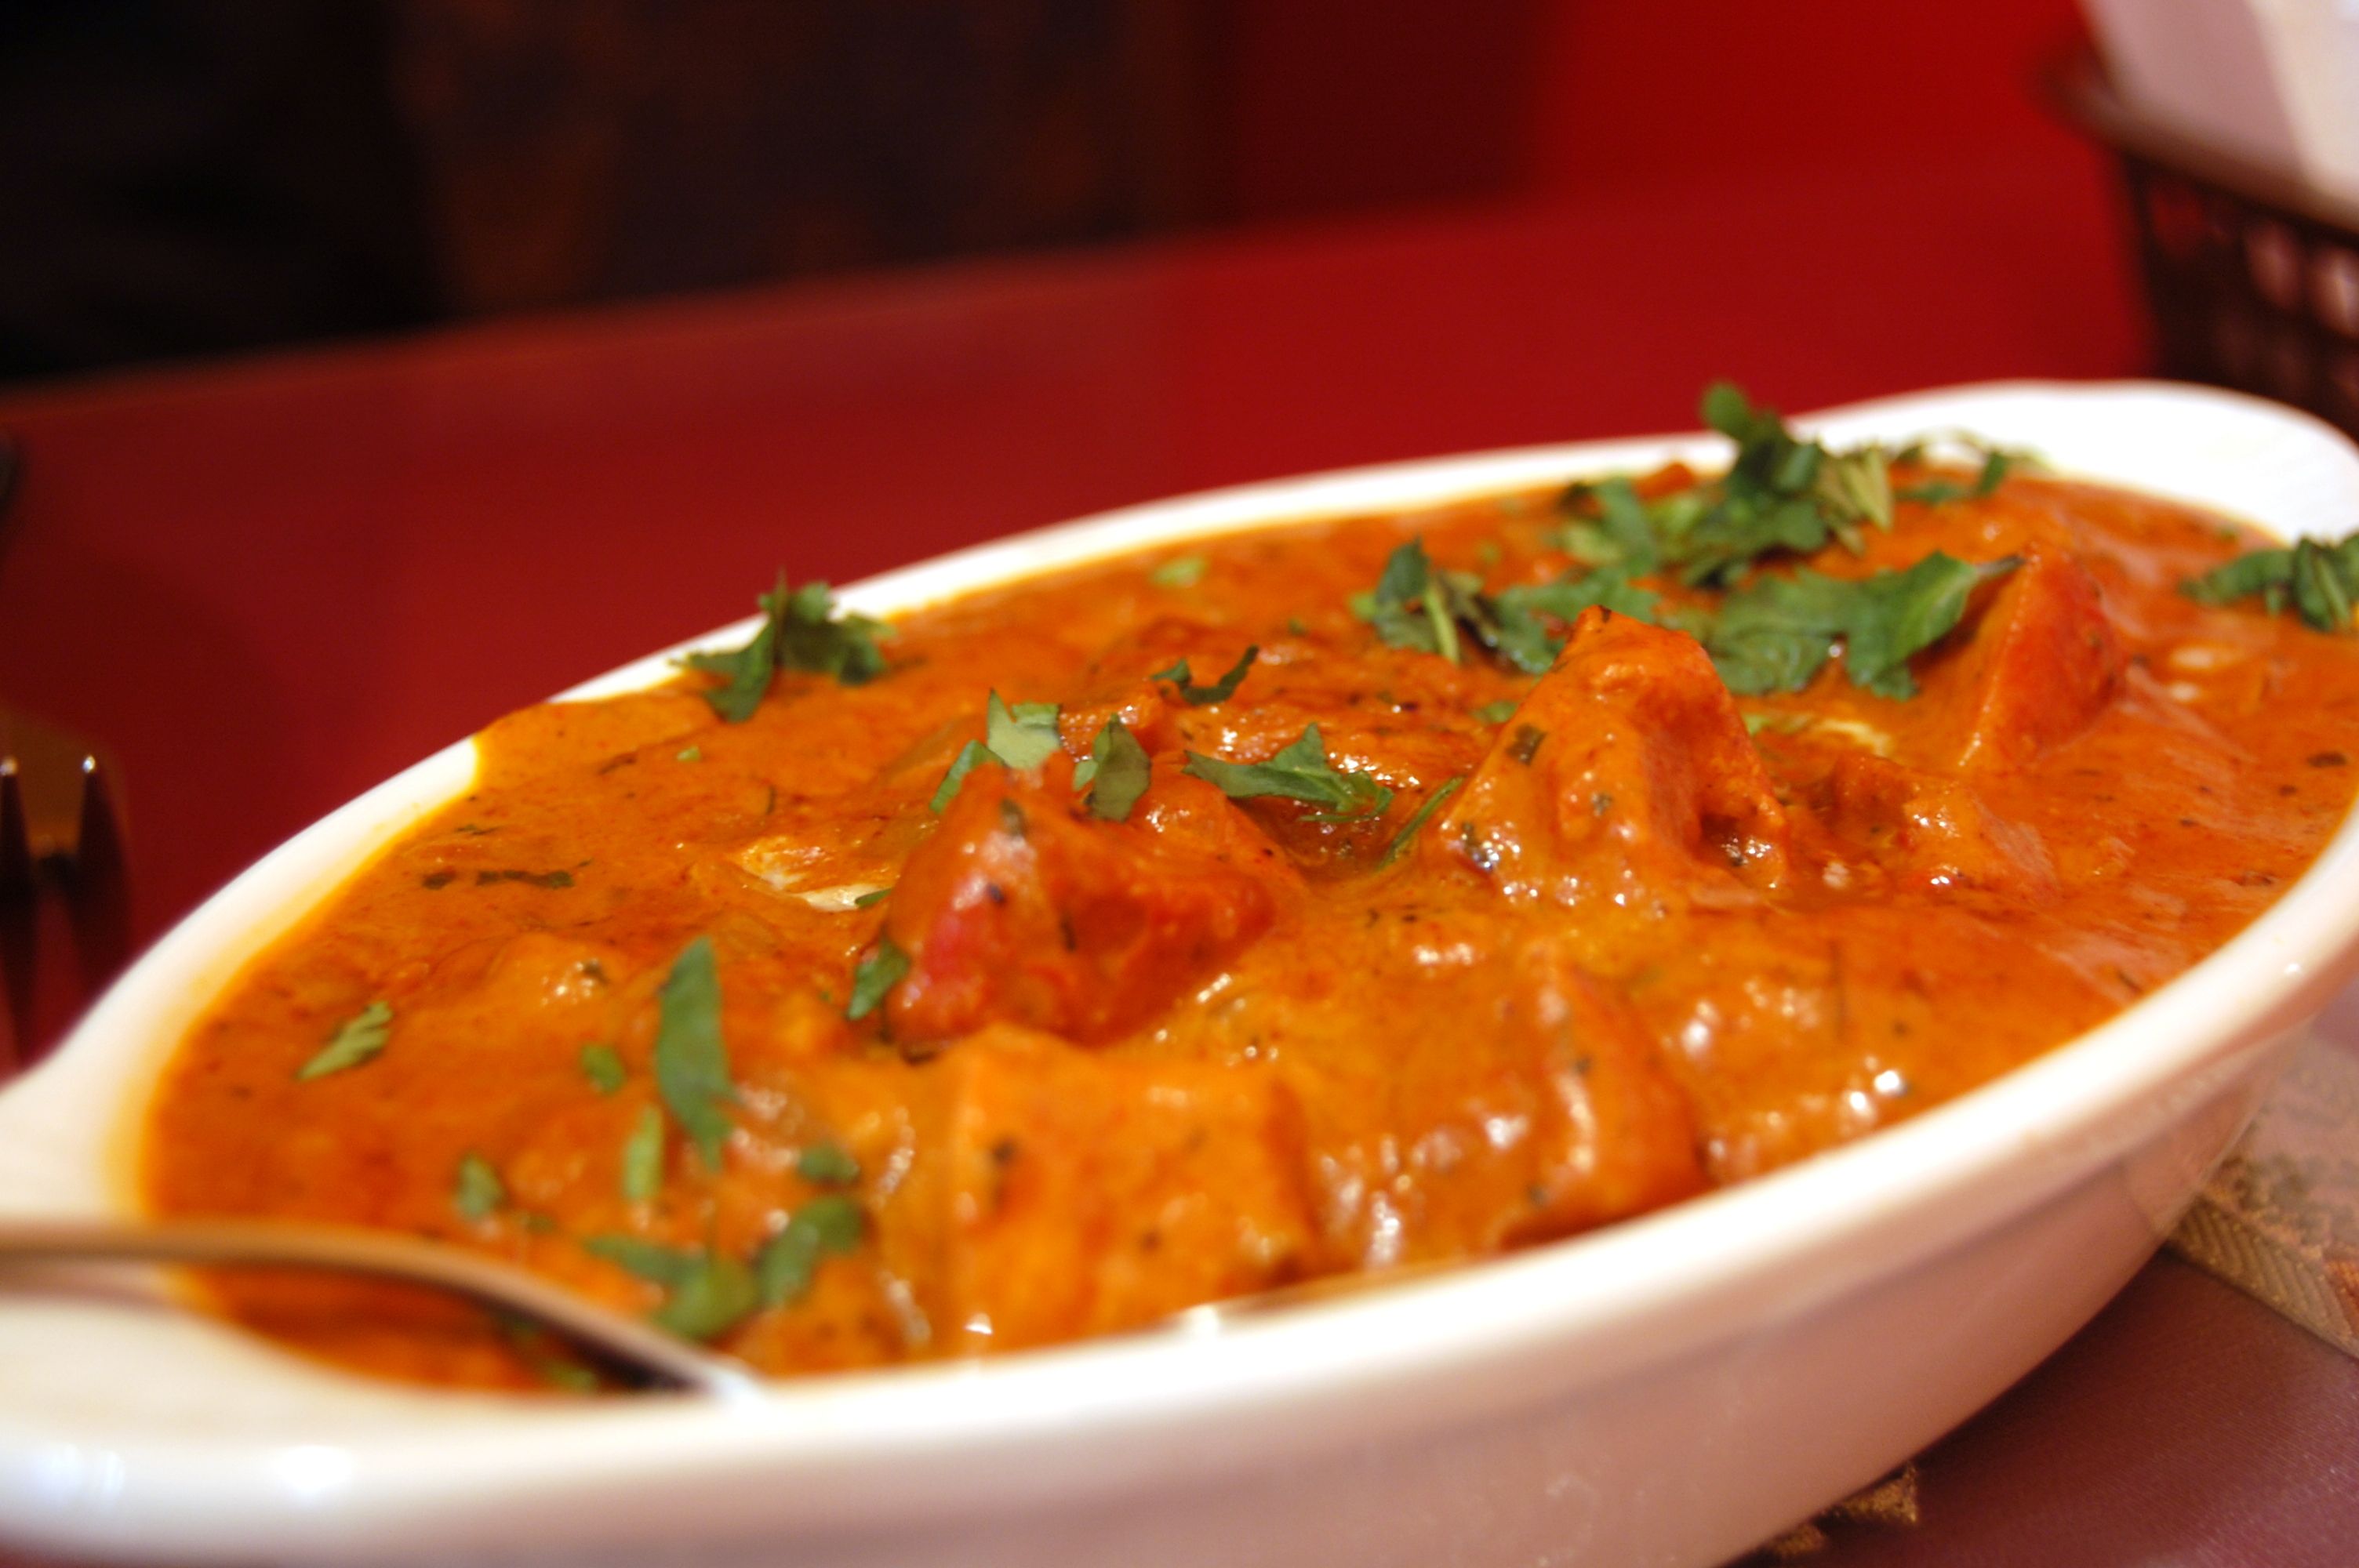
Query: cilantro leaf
(357, 1039)
(1431, 804)
(1780, 494)
(1300, 771)
(1997, 462)
(602, 1066)
(2318, 580)
(878, 970)
(801, 630)
(691, 1063)
(1406, 608)
(827, 1165)
(1024, 736)
(971, 756)
(649, 1260)
(1621, 517)
(1774, 634)
(784, 1269)
(643, 1161)
(478, 1191)
(1180, 571)
(1524, 641)
(716, 1296)
(1855, 486)
(1415, 606)
(1218, 691)
(708, 1293)
(1116, 770)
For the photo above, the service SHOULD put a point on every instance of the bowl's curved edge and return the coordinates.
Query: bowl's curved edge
(2297, 949)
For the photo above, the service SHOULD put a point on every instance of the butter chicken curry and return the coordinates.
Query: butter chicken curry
(1326, 898)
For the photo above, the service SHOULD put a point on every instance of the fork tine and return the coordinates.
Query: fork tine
(97, 881)
(16, 834)
(17, 915)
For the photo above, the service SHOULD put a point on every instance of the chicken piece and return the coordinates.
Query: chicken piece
(1616, 1137)
(2038, 663)
(1022, 908)
(1188, 815)
(1930, 832)
(1062, 1193)
(1626, 775)
(1544, 1110)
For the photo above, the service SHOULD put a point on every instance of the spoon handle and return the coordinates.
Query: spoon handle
(640, 1352)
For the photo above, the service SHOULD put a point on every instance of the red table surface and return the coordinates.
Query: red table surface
(269, 584)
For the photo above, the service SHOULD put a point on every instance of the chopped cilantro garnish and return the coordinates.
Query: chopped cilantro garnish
(1415, 606)
(690, 754)
(1300, 771)
(972, 755)
(691, 1063)
(2320, 581)
(551, 880)
(873, 897)
(1410, 607)
(478, 1190)
(1218, 691)
(1527, 642)
(709, 1293)
(1431, 804)
(827, 1165)
(1996, 462)
(1780, 494)
(1630, 533)
(1024, 736)
(357, 1039)
(1116, 771)
(801, 630)
(1775, 632)
(602, 1066)
(1180, 571)
(650, 1261)
(877, 971)
(784, 1269)
(643, 1158)
(717, 1296)
(1498, 712)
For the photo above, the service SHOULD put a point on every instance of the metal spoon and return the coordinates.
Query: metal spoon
(639, 1353)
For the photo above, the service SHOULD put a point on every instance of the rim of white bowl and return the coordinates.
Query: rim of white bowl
(1990, 1153)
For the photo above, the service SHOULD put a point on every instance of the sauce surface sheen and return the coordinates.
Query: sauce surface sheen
(1656, 938)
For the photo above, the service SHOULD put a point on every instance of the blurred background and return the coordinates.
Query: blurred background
(371, 367)
(185, 178)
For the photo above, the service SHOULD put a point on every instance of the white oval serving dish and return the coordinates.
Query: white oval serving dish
(1669, 1390)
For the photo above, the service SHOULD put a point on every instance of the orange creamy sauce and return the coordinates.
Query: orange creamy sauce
(1216, 1047)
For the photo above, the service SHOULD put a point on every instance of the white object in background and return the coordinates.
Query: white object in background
(2273, 82)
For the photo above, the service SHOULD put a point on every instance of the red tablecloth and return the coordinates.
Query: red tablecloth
(269, 584)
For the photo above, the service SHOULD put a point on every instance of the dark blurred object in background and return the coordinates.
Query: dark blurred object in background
(2252, 273)
(592, 149)
(191, 176)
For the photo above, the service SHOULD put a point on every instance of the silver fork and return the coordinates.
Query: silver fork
(638, 1353)
(63, 880)
(62, 863)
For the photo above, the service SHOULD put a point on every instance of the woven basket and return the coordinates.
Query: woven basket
(2252, 275)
